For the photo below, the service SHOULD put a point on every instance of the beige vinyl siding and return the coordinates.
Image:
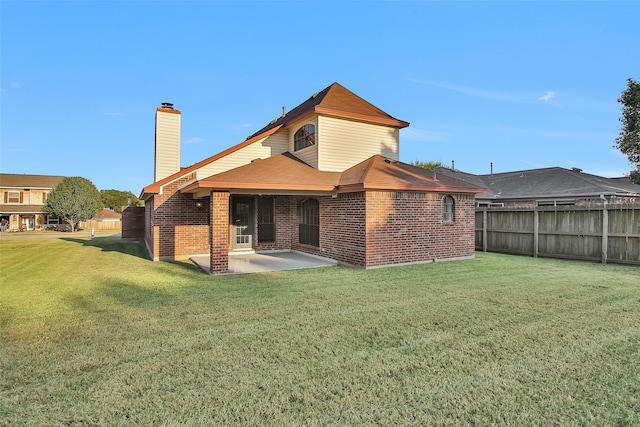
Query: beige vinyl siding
(344, 143)
(167, 154)
(309, 155)
(262, 149)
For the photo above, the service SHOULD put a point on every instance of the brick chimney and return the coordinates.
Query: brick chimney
(167, 145)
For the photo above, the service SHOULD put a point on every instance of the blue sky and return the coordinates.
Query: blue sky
(521, 84)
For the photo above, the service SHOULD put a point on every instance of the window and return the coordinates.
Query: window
(266, 220)
(304, 137)
(448, 209)
(13, 197)
(309, 219)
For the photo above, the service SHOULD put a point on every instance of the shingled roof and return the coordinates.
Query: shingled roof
(284, 173)
(338, 100)
(333, 100)
(554, 182)
(22, 181)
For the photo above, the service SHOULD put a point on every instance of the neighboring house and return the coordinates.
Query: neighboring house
(22, 198)
(106, 219)
(323, 178)
(553, 186)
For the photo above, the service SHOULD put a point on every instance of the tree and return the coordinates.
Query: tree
(73, 200)
(430, 165)
(628, 142)
(116, 199)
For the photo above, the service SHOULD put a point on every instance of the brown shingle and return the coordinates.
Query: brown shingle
(11, 180)
(285, 173)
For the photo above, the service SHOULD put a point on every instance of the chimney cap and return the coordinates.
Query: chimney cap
(167, 105)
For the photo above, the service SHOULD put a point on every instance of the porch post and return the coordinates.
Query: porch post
(219, 236)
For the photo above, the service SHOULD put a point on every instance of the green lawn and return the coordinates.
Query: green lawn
(93, 333)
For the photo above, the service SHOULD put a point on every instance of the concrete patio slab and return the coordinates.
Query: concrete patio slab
(266, 261)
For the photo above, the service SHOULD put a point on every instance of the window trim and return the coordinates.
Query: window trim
(304, 137)
(17, 195)
(449, 209)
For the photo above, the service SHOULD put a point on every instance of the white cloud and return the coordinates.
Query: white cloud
(15, 85)
(243, 126)
(194, 140)
(547, 96)
(114, 113)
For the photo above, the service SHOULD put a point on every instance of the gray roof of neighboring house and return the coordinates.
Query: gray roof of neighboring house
(554, 182)
(24, 181)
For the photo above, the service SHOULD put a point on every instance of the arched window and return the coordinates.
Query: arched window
(309, 222)
(448, 209)
(304, 137)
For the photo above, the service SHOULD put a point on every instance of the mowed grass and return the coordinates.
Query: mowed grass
(92, 333)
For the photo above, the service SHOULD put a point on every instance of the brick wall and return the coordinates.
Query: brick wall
(220, 234)
(178, 228)
(407, 227)
(132, 222)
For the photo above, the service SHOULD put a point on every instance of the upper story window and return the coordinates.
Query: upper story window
(13, 197)
(304, 137)
(448, 209)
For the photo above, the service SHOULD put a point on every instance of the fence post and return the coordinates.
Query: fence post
(484, 230)
(605, 233)
(536, 227)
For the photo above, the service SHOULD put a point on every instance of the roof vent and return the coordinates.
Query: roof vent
(284, 111)
(167, 105)
(576, 170)
(314, 95)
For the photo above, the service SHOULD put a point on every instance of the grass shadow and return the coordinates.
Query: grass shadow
(112, 244)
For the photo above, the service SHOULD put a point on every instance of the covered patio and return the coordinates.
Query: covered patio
(257, 262)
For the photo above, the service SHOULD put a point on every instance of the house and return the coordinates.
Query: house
(552, 186)
(106, 219)
(22, 198)
(323, 178)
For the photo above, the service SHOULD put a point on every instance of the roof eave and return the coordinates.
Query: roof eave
(154, 188)
(197, 186)
(365, 117)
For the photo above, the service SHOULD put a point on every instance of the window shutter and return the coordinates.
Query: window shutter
(21, 196)
(6, 197)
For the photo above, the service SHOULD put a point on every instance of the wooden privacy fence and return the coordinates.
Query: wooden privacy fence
(609, 233)
(101, 225)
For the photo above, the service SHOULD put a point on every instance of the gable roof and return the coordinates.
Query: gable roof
(155, 187)
(337, 100)
(554, 182)
(108, 215)
(23, 181)
(334, 100)
(284, 173)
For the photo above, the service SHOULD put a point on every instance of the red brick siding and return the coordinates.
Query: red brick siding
(133, 222)
(178, 228)
(385, 228)
(408, 227)
(220, 234)
(342, 228)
